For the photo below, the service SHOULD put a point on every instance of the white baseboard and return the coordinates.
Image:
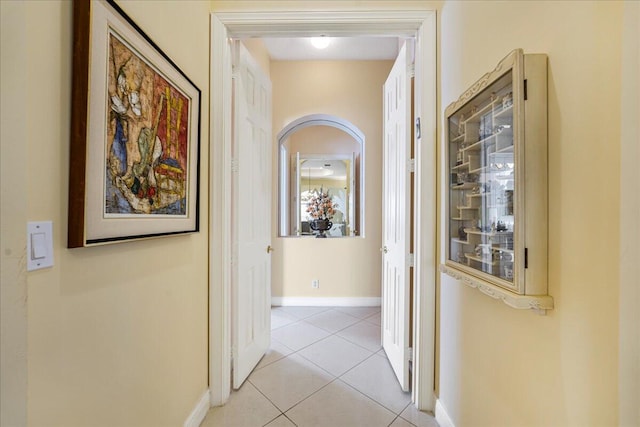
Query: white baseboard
(442, 417)
(327, 302)
(196, 416)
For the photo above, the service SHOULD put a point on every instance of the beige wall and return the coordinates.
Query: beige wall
(116, 334)
(504, 367)
(13, 203)
(322, 140)
(629, 369)
(351, 90)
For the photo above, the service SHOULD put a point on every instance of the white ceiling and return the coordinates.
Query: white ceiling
(340, 48)
(323, 168)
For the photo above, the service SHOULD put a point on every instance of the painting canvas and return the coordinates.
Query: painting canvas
(146, 170)
(135, 134)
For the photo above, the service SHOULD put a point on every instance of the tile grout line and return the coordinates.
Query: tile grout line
(339, 377)
(334, 377)
(374, 401)
(330, 334)
(266, 397)
(367, 338)
(371, 398)
(311, 395)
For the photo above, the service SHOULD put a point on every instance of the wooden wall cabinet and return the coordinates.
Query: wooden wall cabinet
(496, 186)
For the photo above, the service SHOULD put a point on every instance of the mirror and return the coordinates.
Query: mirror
(317, 157)
(332, 175)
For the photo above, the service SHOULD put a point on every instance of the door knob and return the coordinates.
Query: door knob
(270, 249)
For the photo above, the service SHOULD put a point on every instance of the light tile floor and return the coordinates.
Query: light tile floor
(325, 367)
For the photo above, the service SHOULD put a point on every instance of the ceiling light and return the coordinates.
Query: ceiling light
(320, 42)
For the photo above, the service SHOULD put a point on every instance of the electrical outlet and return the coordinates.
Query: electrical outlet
(315, 283)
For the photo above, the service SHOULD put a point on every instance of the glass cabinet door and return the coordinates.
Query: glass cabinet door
(482, 177)
(495, 184)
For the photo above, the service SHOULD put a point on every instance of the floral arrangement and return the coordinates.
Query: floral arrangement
(321, 206)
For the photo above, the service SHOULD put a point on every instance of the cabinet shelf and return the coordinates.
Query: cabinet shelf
(496, 248)
(503, 113)
(505, 150)
(488, 233)
(462, 242)
(483, 169)
(464, 186)
(482, 260)
(479, 195)
(475, 118)
(461, 167)
(458, 138)
(477, 146)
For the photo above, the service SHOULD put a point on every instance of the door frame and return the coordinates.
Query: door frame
(408, 23)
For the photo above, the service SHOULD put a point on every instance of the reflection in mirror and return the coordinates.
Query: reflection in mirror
(324, 156)
(333, 175)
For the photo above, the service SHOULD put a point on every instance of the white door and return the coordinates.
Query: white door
(251, 233)
(396, 226)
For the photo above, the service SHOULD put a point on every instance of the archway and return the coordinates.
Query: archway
(285, 185)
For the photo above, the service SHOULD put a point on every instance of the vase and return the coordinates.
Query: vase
(321, 225)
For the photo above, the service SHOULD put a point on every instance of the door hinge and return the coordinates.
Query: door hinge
(526, 257)
(409, 354)
(411, 70)
(525, 89)
(411, 260)
(235, 165)
(418, 129)
(412, 165)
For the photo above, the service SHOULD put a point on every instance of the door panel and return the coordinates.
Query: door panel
(396, 217)
(251, 211)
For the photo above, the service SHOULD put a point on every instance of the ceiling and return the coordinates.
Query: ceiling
(340, 48)
(324, 169)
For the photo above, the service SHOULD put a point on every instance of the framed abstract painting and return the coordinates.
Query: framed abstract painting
(135, 131)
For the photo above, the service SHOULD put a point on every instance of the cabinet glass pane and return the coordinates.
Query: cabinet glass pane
(482, 174)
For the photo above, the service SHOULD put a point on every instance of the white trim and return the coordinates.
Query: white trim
(220, 217)
(425, 255)
(410, 23)
(196, 416)
(442, 417)
(326, 302)
(320, 120)
(538, 303)
(402, 23)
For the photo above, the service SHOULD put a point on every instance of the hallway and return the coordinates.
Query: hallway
(325, 367)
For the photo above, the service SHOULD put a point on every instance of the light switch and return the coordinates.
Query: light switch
(39, 245)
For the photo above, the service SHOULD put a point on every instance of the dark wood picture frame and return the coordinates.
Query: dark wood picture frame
(135, 134)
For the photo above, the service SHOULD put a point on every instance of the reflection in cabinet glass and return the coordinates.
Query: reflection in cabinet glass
(497, 183)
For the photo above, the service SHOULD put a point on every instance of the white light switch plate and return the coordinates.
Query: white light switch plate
(39, 245)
